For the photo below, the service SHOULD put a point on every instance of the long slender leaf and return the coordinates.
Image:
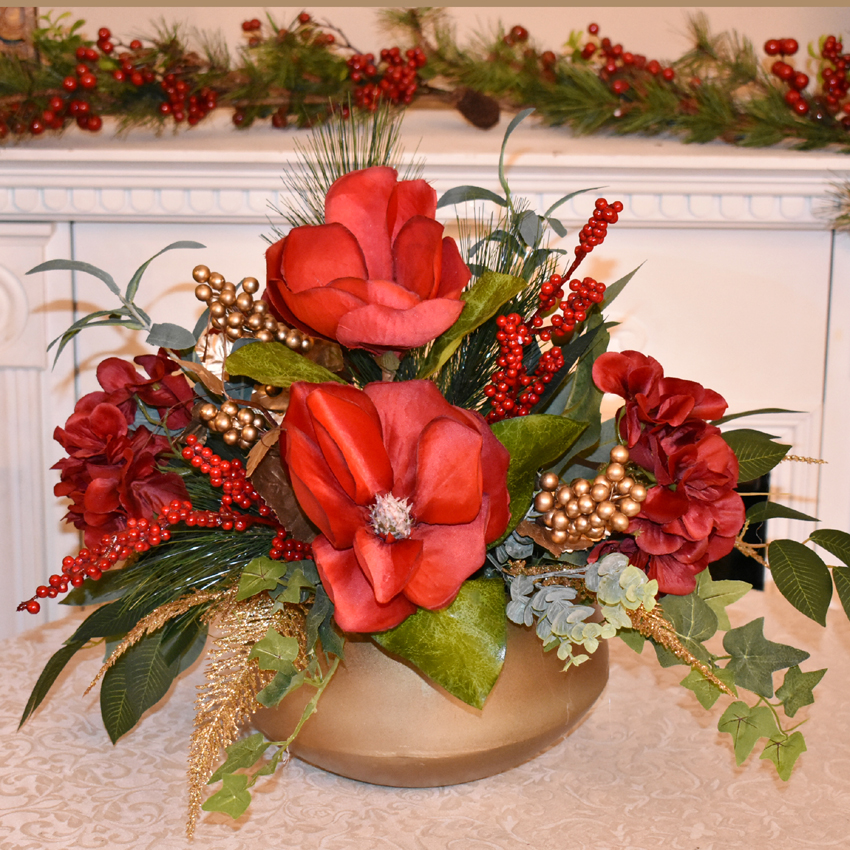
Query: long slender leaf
(51, 670)
(133, 285)
(462, 194)
(567, 198)
(515, 122)
(77, 266)
(729, 417)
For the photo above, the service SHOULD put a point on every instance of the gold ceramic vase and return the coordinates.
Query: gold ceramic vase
(381, 721)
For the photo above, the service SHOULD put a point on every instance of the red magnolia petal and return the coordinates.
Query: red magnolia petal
(663, 505)
(450, 555)
(673, 576)
(409, 198)
(322, 309)
(114, 374)
(449, 483)
(314, 256)
(359, 201)
(382, 327)
(383, 292)
(626, 373)
(108, 421)
(455, 274)
(653, 540)
(418, 256)
(349, 434)
(355, 606)
(387, 566)
(101, 496)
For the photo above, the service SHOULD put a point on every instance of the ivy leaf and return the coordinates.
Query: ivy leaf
(482, 302)
(796, 690)
(719, 594)
(242, 754)
(461, 647)
(754, 658)
(167, 335)
(802, 578)
(784, 752)
(274, 651)
(285, 681)
(533, 442)
(705, 690)
(694, 622)
(273, 363)
(294, 585)
(233, 798)
(51, 670)
(746, 725)
(762, 511)
(462, 194)
(834, 541)
(260, 574)
(757, 454)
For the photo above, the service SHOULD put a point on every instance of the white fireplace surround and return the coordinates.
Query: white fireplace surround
(744, 287)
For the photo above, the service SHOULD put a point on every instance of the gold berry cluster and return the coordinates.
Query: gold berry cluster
(578, 514)
(239, 426)
(239, 314)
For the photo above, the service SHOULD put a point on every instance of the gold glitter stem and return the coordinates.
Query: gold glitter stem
(742, 546)
(801, 459)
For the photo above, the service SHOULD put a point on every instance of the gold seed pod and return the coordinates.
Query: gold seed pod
(638, 492)
(560, 520)
(629, 507)
(293, 339)
(245, 416)
(231, 437)
(244, 302)
(596, 521)
(564, 494)
(243, 444)
(250, 284)
(221, 423)
(582, 524)
(558, 536)
(580, 486)
(571, 509)
(254, 322)
(270, 324)
(306, 344)
(260, 307)
(249, 434)
(619, 454)
(547, 518)
(586, 504)
(596, 533)
(203, 292)
(601, 479)
(235, 320)
(264, 336)
(215, 280)
(217, 310)
(258, 422)
(271, 391)
(549, 481)
(544, 502)
(218, 322)
(281, 332)
(208, 411)
(201, 274)
(227, 286)
(618, 522)
(233, 333)
(227, 297)
(605, 510)
(230, 408)
(600, 492)
(625, 486)
(615, 472)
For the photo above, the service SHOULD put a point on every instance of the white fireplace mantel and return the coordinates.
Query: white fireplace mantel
(744, 288)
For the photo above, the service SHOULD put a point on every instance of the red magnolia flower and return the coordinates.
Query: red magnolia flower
(406, 490)
(111, 472)
(378, 274)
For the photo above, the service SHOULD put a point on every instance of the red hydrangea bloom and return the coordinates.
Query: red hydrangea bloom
(379, 274)
(406, 490)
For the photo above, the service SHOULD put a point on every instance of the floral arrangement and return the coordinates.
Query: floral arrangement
(300, 71)
(404, 431)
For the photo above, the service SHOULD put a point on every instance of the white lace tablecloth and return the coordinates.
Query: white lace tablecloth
(647, 769)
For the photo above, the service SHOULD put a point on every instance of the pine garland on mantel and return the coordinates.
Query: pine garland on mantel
(297, 73)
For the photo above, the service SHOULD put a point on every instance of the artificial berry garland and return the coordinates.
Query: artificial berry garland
(301, 73)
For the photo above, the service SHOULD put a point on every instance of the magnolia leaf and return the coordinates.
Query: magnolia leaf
(462, 647)
(834, 541)
(482, 302)
(746, 725)
(796, 690)
(730, 416)
(784, 751)
(754, 658)
(705, 690)
(133, 285)
(762, 511)
(841, 576)
(719, 594)
(51, 670)
(694, 622)
(242, 754)
(275, 651)
(533, 442)
(757, 454)
(273, 363)
(801, 577)
(462, 194)
(167, 335)
(260, 574)
(233, 798)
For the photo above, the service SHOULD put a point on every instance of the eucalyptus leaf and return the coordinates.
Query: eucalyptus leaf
(530, 228)
(133, 285)
(462, 194)
(515, 122)
(273, 363)
(167, 335)
(461, 647)
(78, 266)
(557, 226)
(569, 197)
(801, 577)
(757, 454)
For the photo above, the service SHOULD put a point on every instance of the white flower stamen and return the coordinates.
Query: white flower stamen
(391, 516)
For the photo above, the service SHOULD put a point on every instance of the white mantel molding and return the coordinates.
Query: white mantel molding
(218, 174)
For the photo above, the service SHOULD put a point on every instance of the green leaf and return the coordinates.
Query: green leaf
(515, 122)
(285, 682)
(461, 647)
(482, 301)
(530, 227)
(566, 198)
(762, 511)
(167, 335)
(706, 691)
(746, 725)
(719, 594)
(784, 751)
(116, 708)
(111, 619)
(233, 798)
(841, 577)
(274, 651)
(51, 670)
(242, 754)
(294, 585)
(533, 442)
(730, 416)
(612, 291)
(133, 285)
(632, 638)
(260, 574)
(802, 577)
(694, 621)
(462, 194)
(273, 363)
(796, 690)
(557, 227)
(834, 541)
(77, 266)
(756, 452)
(754, 658)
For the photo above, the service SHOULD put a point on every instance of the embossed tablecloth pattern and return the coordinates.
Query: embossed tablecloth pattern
(647, 769)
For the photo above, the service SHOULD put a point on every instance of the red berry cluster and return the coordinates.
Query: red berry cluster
(517, 35)
(512, 391)
(596, 229)
(182, 105)
(796, 80)
(574, 309)
(396, 83)
(834, 77)
(619, 67)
